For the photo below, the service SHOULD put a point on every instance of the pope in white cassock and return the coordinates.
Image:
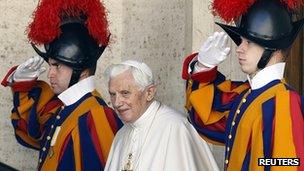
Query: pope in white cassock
(154, 137)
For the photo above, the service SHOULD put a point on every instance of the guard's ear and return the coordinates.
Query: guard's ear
(278, 56)
(84, 74)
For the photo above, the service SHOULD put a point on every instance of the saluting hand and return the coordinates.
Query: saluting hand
(215, 50)
(29, 70)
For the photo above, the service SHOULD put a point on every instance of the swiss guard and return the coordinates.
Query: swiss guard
(259, 121)
(66, 120)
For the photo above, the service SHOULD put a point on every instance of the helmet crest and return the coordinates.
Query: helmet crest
(73, 32)
(50, 14)
(226, 9)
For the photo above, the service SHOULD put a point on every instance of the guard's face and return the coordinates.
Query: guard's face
(127, 98)
(59, 76)
(249, 54)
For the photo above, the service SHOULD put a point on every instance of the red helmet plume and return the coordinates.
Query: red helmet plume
(230, 10)
(48, 17)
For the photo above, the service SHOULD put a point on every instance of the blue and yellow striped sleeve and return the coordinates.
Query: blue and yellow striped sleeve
(31, 109)
(209, 98)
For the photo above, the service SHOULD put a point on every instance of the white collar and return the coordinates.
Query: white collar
(78, 90)
(266, 75)
(147, 115)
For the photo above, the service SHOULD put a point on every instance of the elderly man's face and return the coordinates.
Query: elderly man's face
(126, 97)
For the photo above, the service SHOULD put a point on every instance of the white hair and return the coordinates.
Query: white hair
(142, 74)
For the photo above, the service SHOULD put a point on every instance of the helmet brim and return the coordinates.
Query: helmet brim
(235, 33)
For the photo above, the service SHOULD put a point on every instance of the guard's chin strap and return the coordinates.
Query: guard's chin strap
(265, 57)
(77, 72)
(75, 77)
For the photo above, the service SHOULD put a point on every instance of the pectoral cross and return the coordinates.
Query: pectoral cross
(128, 164)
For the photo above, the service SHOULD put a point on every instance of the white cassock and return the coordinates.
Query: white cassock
(161, 139)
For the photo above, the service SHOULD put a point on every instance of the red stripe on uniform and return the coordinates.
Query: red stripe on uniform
(50, 105)
(65, 143)
(5, 82)
(228, 97)
(205, 76)
(24, 86)
(185, 74)
(218, 126)
(22, 125)
(297, 127)
(94, 136)
(110, 114)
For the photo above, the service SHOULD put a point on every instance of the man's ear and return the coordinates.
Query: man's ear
(84, 74)
(151, 91)
(278, 56)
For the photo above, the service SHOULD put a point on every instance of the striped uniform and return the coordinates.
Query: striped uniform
(261, 123)
(87, 127)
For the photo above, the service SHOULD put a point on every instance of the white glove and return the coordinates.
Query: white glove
(214, 50)
(29, 70)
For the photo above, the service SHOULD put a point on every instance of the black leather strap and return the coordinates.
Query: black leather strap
(265, 58)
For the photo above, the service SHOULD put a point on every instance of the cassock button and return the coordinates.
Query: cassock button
(40, 160)
(228, 149)
(233, 123)
(244, 100)
(238, 111)
(48, 137)
(230, 136)
(52, 126)
(43, 149)
(226, 161)
(58, 117)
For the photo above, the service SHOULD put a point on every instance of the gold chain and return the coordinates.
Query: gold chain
(127, 166)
